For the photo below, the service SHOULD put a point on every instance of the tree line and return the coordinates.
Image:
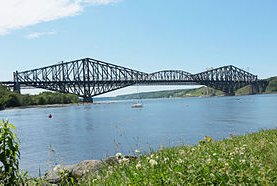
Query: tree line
(12, 99)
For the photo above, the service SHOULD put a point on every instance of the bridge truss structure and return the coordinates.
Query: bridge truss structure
(89, 77)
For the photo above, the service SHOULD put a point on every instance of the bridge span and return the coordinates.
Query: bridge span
(89, 77)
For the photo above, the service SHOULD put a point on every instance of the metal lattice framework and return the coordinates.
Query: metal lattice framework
(227, 78)
(170, 77)
(85, 78)
(89, 77)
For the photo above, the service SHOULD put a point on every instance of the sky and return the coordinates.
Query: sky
(145, 35)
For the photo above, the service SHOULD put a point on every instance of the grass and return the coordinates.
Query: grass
(248, 160)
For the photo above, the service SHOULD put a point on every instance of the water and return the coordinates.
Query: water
(95, 131)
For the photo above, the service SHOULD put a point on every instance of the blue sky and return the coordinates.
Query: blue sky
(146, 35)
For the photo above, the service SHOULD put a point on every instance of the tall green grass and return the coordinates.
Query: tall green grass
(246, 160)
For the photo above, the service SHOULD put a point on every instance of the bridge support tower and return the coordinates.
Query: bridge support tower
(16, 86)
(88, 100)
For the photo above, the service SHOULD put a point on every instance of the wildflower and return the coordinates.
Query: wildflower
(179, 161)
(118, 155)
(214, 154)
(137, 151)
(182, 152)
(166, 159)
(153, 162)
(242, 161)
(208, 139)
(138, 166)
(123, 160)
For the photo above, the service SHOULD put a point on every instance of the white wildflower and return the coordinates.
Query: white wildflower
(242, 161)
(182, 152)
(118, 155)
(153, 162)
(123, 160)
(138, 166)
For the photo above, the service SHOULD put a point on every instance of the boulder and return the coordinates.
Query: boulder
(84, 167)
(76, 170)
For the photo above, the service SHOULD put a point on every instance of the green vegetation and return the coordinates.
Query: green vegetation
(202, 91)
(270, 88)
(244, 160)
(12, 99)
(272, 85)
(9, 154)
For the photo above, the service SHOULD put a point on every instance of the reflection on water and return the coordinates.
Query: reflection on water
(94, 131)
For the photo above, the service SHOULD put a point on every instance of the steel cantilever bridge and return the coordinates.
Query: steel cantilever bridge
(89, 77)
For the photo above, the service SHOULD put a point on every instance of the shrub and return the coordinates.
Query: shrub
(9, 154)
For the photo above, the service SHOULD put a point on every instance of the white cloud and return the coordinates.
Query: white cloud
(35, 35)
(16, 14)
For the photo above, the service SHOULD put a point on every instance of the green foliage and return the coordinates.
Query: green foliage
(11, 99)
(9, 154)
(244, 160)
(66, 178)
(272, 85)
(244, 91)
(202, 91)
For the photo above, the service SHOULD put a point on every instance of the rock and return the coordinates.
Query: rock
(77, 170)
(117, 160)
(84, 167)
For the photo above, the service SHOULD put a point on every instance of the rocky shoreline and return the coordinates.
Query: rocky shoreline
(84, 168)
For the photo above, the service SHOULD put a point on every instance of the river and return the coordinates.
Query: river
(95, 131)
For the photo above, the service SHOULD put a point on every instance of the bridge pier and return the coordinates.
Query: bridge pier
(228, 90)
(88, 100)
(229, 93)
(16, 86)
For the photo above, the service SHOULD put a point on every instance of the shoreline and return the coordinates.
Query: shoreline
(221, 157)
(116, 100)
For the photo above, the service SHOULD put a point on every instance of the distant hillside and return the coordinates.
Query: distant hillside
(272, 85)
(202, 91)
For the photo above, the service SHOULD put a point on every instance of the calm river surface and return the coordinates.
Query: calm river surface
(95, 131)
